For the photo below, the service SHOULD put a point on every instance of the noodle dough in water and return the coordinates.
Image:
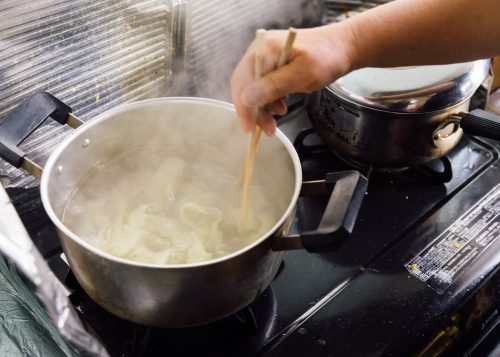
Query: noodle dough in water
(176, 213)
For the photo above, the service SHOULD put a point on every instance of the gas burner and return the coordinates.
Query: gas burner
(124, 338)
(309, 146)
(440, 169)
(244, 320)
(317, 147)
(304, 150)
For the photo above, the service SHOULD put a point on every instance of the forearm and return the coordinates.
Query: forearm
(419, 32)
(400, 33)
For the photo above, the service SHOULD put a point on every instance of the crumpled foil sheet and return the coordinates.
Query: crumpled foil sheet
(17, 246)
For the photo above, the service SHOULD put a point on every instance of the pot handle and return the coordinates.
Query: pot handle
(24, 120)
(340, 214)
(481, 123)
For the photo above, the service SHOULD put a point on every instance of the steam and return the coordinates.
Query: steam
(221, 31)
(185, 164)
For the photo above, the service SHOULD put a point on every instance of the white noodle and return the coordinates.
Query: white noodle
(174, 212)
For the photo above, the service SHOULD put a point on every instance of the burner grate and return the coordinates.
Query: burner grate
(309, 146)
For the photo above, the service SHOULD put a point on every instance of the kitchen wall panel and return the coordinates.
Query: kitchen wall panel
(96, 54)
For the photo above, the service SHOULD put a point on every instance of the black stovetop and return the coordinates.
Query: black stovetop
(360, 300)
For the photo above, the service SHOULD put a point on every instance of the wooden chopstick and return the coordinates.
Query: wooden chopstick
(284, 57)
(256, 132)
(285, 54)
(250, 157)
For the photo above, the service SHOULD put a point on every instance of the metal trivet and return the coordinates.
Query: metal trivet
(440, 169)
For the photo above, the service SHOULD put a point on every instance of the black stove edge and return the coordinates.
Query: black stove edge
(442, 202)
(292, 327)
(296, 324)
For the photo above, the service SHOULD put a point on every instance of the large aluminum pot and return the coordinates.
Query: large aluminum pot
(173, 295)
(398, 117)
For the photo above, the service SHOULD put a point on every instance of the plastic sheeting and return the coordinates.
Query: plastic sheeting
(25, 326)
(26, 329)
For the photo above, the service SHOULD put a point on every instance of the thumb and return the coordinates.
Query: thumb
(273, 86)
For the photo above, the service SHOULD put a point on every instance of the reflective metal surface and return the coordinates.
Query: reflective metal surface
(448, 133)
(378, 138)
(173, 295)
(94, 55)
(411, 89)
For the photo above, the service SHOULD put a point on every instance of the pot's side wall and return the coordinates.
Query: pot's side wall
(180, 296)
(379, 138)
(173, 297)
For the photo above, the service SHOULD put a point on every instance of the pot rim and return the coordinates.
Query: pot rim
(52, 162)
(366, 108)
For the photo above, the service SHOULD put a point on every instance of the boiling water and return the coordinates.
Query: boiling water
(154, 206)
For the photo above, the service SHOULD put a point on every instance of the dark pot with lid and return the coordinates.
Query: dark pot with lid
(398, 117)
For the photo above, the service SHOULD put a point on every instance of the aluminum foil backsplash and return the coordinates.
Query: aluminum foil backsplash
(96, 54)
(93, 55)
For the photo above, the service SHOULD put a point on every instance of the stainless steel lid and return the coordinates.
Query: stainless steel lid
(412, 89)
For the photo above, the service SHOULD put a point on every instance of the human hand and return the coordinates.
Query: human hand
(319, 56)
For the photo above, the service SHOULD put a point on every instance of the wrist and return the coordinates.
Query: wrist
(345, 54)
(354, 52)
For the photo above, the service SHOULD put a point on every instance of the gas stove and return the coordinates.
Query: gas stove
(418, 275)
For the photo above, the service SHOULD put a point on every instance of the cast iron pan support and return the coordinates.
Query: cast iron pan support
(337, 222)
(25, 119)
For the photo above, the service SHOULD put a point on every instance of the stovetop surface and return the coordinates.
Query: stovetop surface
(360, 300)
